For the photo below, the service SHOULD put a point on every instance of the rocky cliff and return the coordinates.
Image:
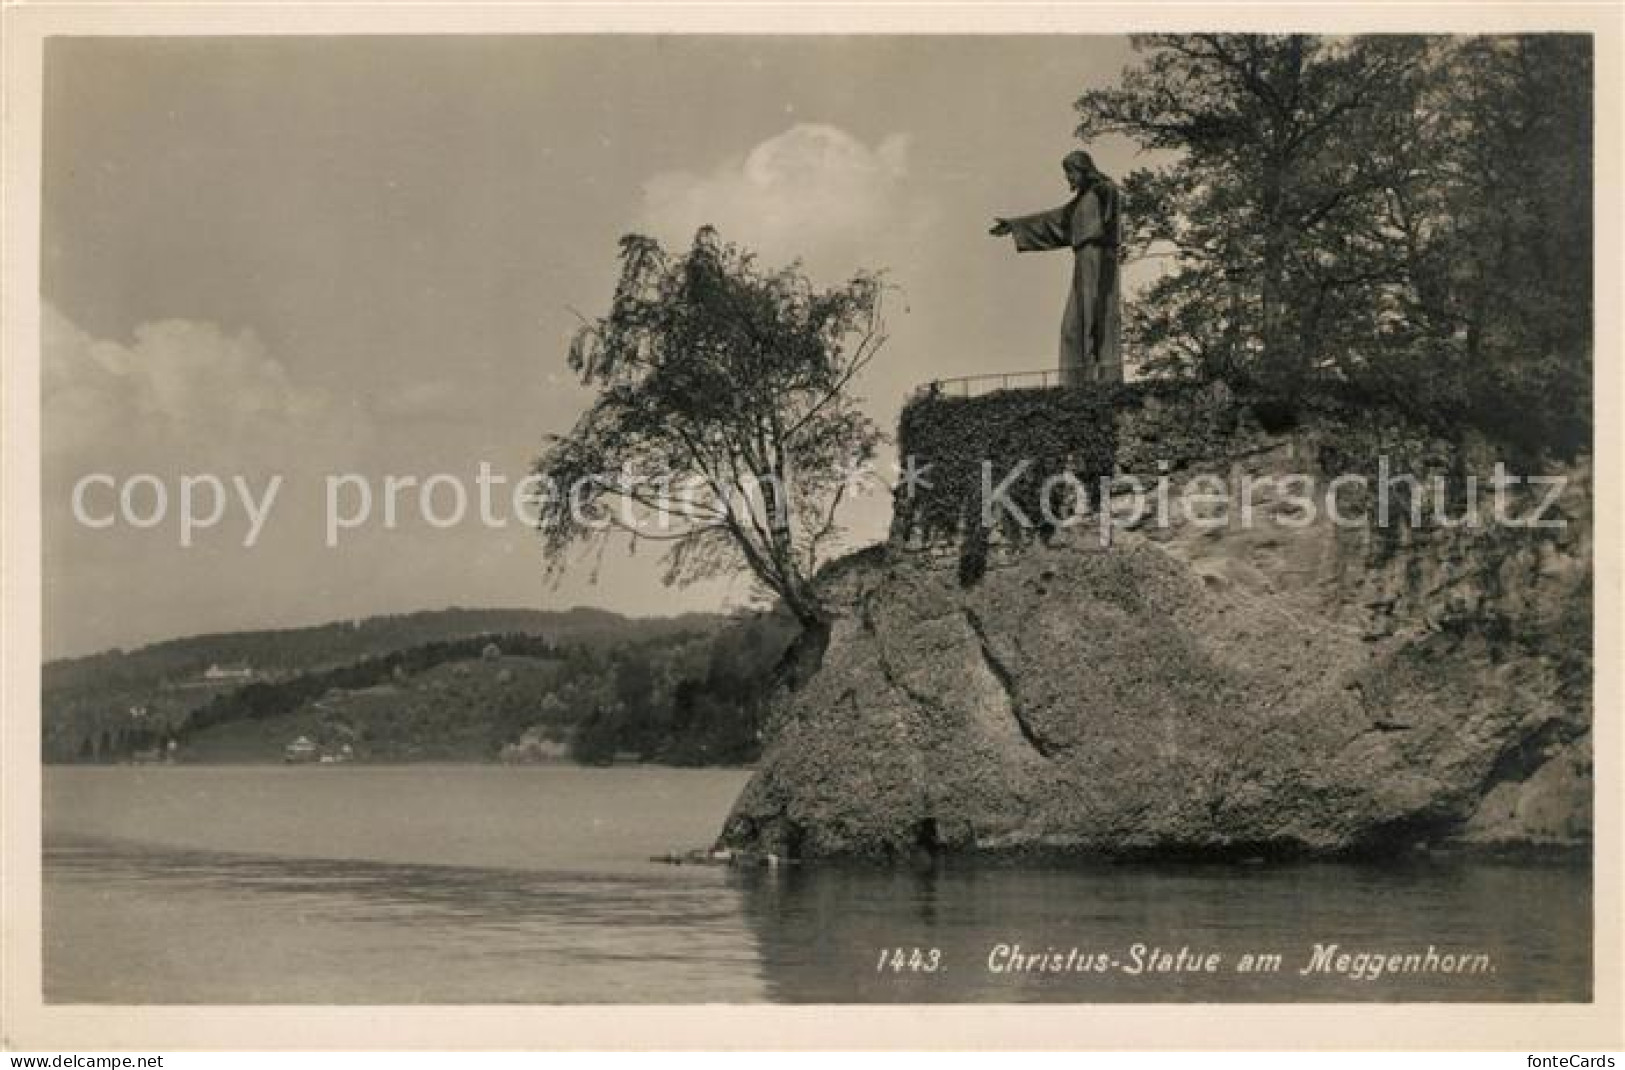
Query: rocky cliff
(1280, 687)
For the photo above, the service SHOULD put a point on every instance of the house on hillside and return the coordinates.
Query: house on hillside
(228, 673)
(536, 745)
(301, 750)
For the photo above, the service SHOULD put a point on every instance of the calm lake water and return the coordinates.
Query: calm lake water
(486, 884)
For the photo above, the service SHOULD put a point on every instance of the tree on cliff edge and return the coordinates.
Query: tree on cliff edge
(724, 424)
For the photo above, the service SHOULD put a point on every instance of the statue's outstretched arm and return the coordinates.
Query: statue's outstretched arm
(1039, 231)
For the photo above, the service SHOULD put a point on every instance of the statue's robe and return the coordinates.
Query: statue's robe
(1090, 225)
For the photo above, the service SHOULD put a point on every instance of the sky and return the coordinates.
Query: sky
(356, 258)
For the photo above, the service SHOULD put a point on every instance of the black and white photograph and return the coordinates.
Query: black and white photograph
(541, 519)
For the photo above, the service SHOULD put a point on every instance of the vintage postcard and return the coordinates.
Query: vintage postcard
(656, 527)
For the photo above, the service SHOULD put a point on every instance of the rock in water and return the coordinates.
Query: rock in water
(1316, 690)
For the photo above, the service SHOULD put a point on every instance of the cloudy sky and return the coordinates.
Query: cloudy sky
(323, 256)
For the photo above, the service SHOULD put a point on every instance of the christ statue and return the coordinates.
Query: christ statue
(1089, 225)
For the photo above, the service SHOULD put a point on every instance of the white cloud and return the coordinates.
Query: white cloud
(813, 192)
(182, 394)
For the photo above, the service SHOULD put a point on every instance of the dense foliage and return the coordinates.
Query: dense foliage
(1407, 216)
(724, 424)
(713, 712)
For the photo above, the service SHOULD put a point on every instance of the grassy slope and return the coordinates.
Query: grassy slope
(91, 696)
(462, 711)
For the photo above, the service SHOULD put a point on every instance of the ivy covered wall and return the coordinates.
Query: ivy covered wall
(1090, 432)
(947, 439)
(1145, 430)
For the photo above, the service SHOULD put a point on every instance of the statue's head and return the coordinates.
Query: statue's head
(1079, 167)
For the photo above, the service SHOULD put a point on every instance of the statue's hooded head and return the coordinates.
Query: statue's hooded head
(1079, 167)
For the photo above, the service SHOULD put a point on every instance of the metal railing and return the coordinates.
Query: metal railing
(967, 386)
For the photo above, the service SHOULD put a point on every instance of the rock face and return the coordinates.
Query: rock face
(1279, 688)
